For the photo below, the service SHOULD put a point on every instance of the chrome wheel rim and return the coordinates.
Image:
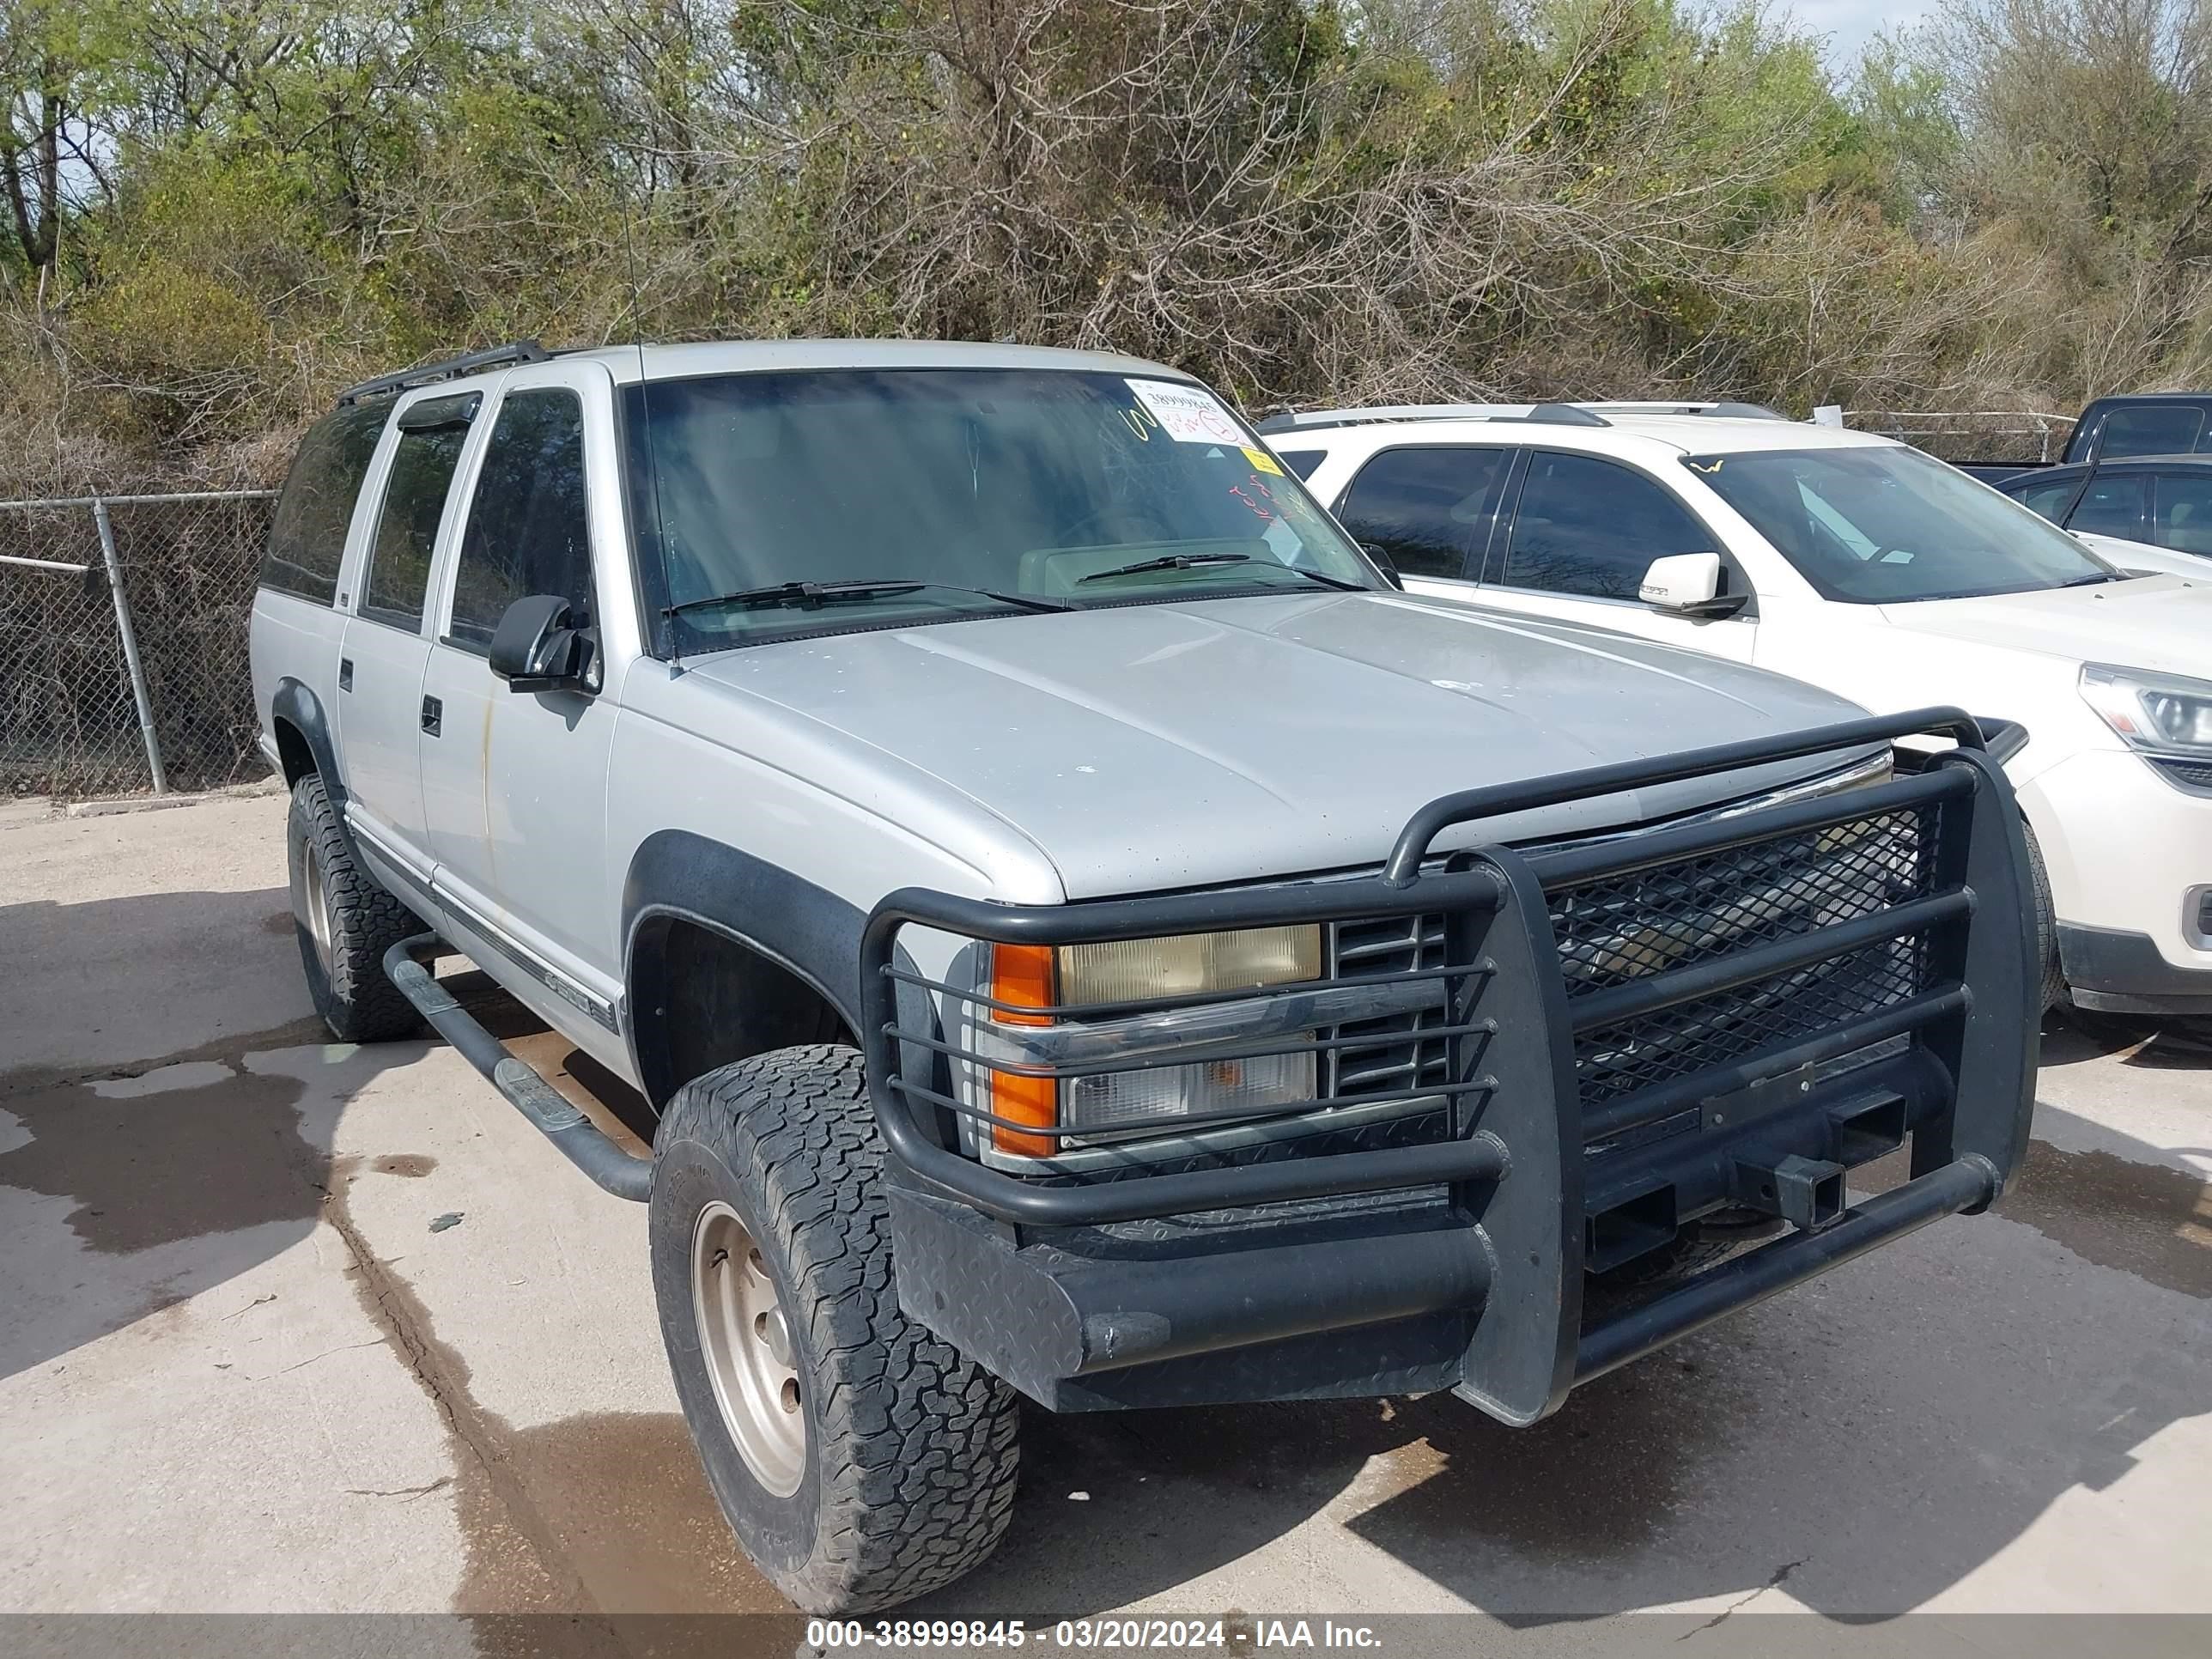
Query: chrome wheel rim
(747, 1347)
(314, 904)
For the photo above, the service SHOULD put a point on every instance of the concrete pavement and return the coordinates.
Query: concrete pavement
(245, 1364)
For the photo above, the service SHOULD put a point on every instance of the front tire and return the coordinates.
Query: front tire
(860, 1460)
(346, 921)
(2046, 926)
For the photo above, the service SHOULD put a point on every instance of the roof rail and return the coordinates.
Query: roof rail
(1566, 415)
(1724, 410)
(1550, 414)
(1553, 413)
(520, 351)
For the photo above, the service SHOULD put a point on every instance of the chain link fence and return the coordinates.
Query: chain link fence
(1969, 435)
(122, 652)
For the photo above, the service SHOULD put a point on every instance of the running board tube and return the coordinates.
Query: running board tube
(581, 1141)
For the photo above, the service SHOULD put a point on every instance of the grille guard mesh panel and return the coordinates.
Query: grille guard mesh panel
(1615, 1060)
(1632, 926)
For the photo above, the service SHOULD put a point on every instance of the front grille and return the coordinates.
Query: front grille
(2193, 775)
(1629, 926)
(1396, 1060)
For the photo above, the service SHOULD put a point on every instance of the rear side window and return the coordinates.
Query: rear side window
(529, 527)
(430, 441)
(307, 533)
(1425, 507)
(1301, 462)
(1589, 526)
(2151, 429)
(2112, 507)
(2185, 512)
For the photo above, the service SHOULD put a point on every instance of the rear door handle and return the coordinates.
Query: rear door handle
(434, 713)
(345, 673)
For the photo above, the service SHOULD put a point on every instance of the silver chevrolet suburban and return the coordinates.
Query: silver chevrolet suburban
(1086, 933)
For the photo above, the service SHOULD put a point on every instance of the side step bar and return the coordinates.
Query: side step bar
(580, 1140)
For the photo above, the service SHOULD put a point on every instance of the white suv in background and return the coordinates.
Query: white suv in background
(1861, 565)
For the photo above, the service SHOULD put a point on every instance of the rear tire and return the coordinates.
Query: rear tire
(346, 921)
(860, 1460)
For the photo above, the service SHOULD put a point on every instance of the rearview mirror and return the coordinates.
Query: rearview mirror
(536, 647)
(1688, 585)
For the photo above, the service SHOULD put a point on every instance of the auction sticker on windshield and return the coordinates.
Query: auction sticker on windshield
(1188, 414)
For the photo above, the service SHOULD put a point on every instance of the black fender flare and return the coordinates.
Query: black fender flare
(295, 704)
(805, 929)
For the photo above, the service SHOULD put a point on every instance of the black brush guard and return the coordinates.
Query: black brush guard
(1634, 1032)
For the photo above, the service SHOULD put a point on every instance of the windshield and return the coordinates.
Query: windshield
(1888, 525)
(943, 495)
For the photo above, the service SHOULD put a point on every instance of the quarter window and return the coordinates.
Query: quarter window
(1426, 507)
(1592, 527)
(529, 527)
(430, 439)
(2112, 507)
(307, 533)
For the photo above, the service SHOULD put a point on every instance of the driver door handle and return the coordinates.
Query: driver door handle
(433, 714)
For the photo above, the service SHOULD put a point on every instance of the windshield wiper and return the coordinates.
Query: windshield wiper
(1195, 561)
(2095, 579)
(813, 596)
(1171, 562)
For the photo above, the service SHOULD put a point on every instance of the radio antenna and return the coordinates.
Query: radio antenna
(665, 625)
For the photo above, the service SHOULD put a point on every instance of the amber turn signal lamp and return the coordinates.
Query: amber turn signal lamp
(1022, 975)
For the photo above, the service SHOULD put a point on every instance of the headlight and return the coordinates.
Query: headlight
(2165, 713)
(1131, 970)
(1141, 970)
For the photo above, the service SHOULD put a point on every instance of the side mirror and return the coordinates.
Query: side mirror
(1689, 585)
(535, 648)
(1384, 562)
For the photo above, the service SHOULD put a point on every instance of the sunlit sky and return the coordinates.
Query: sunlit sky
(1849, 24)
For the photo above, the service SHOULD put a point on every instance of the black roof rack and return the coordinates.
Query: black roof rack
(521, 351)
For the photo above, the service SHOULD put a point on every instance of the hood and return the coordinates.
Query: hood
(1151, 747)
(2162, 623)
(2142, 559)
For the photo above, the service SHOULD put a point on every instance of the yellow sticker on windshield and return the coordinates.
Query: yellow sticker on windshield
(1262, 462)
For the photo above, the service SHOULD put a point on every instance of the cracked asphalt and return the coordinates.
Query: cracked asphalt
(296, 1327)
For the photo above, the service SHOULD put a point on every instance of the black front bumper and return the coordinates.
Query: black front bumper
(1634, 1033)
(2109, 972)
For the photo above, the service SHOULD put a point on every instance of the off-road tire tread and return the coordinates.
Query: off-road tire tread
(925, 1492)
(364, 1005)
